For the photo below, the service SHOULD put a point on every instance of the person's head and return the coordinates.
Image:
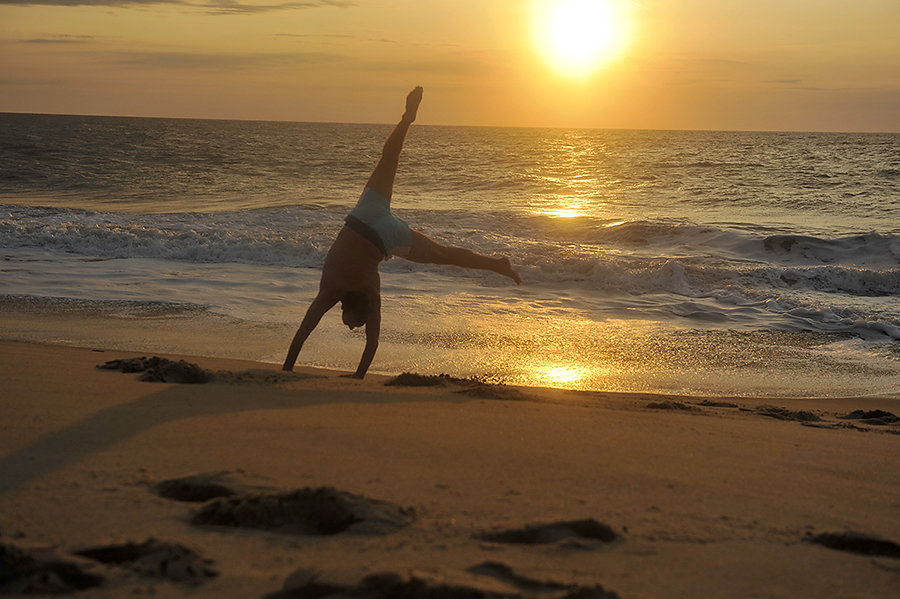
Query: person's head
(355, 308)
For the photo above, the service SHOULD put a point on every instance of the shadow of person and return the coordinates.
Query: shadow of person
(115, 424)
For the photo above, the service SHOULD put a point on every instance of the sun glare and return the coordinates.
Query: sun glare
(561, 375)
(578, 37)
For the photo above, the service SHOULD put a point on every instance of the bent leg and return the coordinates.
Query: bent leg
(427, 251)
(382, 178)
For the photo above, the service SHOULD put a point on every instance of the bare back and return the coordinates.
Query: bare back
(351, 265)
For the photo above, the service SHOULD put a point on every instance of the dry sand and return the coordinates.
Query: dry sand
(450, 491)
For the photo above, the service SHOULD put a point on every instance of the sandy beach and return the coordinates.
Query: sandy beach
(314, 485)
(622, 279)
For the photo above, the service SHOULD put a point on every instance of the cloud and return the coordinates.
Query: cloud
(186, 60)
(316, 35)
(28, 82)
(230, 7)
(845, 89)
(211, 6)
(60, 39)
(335, 36)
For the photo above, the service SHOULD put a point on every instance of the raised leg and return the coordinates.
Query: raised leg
(427, 251)
(382, 179)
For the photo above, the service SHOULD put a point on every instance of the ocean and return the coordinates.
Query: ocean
(702, 263)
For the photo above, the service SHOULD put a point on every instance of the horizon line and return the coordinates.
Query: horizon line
(254, 120)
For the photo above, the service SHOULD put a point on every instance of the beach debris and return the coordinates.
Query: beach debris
(484, 584)
(876, 417)
(471, 386)
(26, 573)
(717, 404)
(857, 543)
(543, 534)
(125, 365)
(411, 379)
(163, 370)
(261, 376)
(154, 558)
(160, 370)
(669, 405)
(487, 391)
(780, 413)
(308, 511)
(197, 488)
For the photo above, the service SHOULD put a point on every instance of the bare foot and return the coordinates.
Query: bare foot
(412, 104)
(506, 269)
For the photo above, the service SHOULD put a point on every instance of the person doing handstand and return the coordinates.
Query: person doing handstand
(371, 234)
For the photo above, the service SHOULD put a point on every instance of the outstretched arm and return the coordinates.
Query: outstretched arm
(314, 314)
(373, 331)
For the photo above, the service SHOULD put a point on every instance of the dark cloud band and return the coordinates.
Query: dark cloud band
(213, 6)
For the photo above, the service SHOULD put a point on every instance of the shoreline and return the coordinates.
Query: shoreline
(709, 500)
(644, 363)
(538, 393)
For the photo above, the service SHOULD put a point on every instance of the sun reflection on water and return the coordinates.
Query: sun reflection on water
(568, 374)
(566, 207)
(571, 212)
(560, 375)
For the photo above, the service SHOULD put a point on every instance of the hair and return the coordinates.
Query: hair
(356, 302)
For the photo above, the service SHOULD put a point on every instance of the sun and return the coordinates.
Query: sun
(578, 37)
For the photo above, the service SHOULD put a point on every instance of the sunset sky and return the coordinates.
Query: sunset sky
(819, 65)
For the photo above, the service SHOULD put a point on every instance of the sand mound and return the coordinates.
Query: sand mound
(505, 573)
(163, 370)
(669, 405)
(780, 413)
(470, 387)
(154, 558)
(261, 376)
(857, 543)
(308, 582)
(485, 391)
(876, 417)
(541, 534)
(309, 511)
(411, 379)
(22, 573)
(160, 370)
(717, 404)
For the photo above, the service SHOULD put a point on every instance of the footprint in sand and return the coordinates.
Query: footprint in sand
(197, 488)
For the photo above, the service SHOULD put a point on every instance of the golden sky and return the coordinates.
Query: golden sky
(814, 65)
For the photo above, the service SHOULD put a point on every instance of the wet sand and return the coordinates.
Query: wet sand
(259, 483)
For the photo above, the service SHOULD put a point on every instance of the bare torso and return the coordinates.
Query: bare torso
(351, 265)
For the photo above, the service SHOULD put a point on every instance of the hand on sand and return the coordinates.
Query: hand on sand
(413, 99)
